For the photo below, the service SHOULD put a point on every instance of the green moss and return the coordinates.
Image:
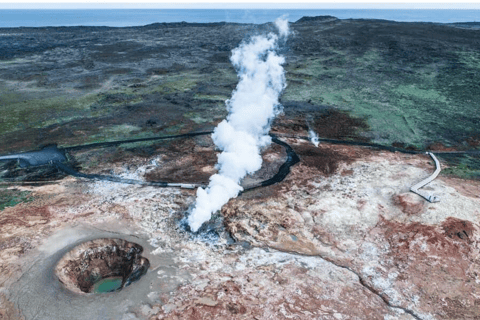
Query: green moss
(413, 92)
(210, 97)
(19, 112)
(118, 132)
(174, 129)
(470, 58)
(35, 110)
(462, 171)
(411, 103)
(318, 68)
(196, 117)
(12, 197)
(13, 61)
(181, 82)
(222, 75)
(122, 129)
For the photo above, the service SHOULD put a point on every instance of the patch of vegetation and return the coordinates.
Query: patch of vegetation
(463, 166)
(471, 59)
(415, 93)
(122, 130)
(462, 171)
(223, 76)
(180, 82)
(407, 102)
(23, 111)
(196, 117)
(109, 101)
(12, 197)
(175, 129)
(210, 97)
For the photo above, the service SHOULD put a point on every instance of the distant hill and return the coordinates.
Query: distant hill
(317, 19)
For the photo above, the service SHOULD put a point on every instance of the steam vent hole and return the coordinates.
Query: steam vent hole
(102, 265)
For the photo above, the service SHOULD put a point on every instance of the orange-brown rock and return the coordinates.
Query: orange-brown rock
(409, 203)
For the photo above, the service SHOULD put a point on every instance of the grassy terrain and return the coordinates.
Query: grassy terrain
(12, 197)
(22, 110)
(173, 100)
(160, 86)
(416, 105)
(465, 167)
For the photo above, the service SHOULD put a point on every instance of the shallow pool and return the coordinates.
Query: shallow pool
(107, 285)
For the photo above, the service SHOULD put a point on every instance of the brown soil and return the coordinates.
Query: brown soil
(289, 125)
(187, 160)
(327, 158)
(474, 141)
(458, 229)
(441, 261)
(409, 203)
(291, 288)
(23, 215)
(8, 310)
(339, 125)
(329, 124)
(184, 161)
(438, 146)
(468, 188)
(402, 238)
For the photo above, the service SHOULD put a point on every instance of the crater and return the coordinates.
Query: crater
(101, 265)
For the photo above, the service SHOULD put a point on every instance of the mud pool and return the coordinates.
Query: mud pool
(40, 294)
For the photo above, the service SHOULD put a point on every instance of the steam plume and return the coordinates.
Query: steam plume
(252, 107)
(282, 26)
(313, 137)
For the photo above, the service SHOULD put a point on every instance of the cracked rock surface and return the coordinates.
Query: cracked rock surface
(330, 246)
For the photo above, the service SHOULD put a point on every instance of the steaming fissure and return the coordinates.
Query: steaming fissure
(241, 136)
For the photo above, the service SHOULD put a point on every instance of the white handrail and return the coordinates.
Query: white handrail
(414, 188)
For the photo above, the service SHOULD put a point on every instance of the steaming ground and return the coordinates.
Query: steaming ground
(241, 137)
(296, 249)
(313, 137)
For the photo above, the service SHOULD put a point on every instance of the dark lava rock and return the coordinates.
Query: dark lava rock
(317, 19)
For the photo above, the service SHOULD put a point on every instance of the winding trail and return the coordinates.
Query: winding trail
(414, 188)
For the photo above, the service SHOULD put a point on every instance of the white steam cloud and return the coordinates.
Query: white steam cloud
(313, 137)
(282, 26)
(252, 107)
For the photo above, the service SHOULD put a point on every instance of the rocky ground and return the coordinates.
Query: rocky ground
(340, 238)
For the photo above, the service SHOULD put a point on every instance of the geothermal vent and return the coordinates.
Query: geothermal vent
(102, 265)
